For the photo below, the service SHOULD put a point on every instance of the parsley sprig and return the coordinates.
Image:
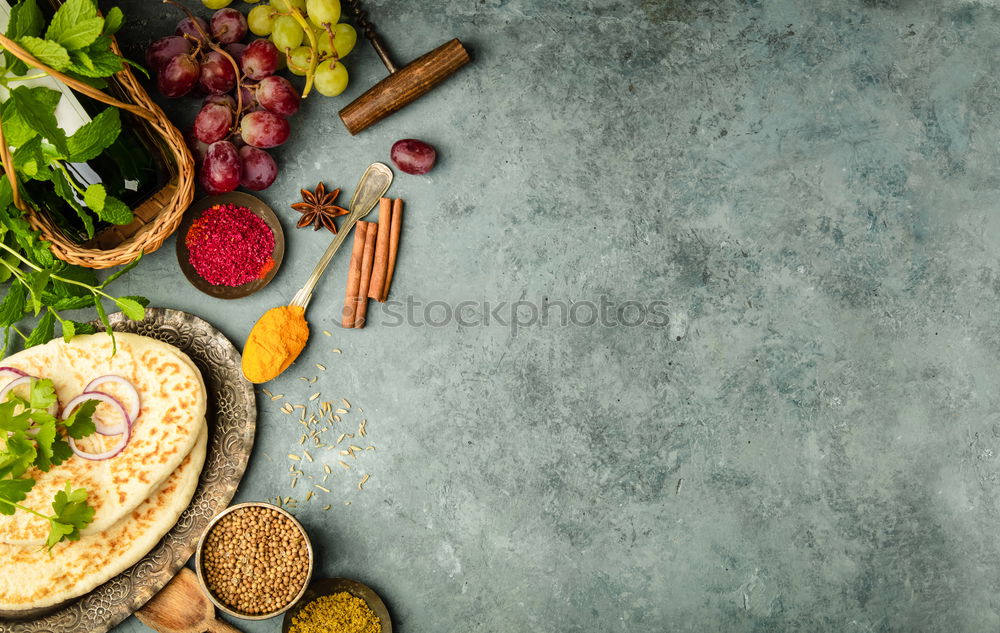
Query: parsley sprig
(77, 42)
(36, 439)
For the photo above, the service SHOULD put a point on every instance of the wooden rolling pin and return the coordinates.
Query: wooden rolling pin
(402, 86)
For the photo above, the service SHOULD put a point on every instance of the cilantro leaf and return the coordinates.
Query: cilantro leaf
(115, 211)
(10, 422)
(80, 423)
(14, 491)
(46, 51)
(95, 136)
(61, 451)
(43, 331)
(45, 437)
(72, 514)
(18, 455)
(43, 394)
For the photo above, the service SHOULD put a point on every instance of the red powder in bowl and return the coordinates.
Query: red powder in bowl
(230, 246)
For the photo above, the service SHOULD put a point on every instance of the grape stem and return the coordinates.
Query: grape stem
(218, 49)
(313, 44)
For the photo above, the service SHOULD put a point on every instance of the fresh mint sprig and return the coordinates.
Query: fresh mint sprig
(76, 42)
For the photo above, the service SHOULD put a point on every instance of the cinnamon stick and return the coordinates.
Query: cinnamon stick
(381, 250)
(366, 274)
(354, 275)
(397, 221)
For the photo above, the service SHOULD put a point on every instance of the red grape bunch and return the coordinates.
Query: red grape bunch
(245, 107)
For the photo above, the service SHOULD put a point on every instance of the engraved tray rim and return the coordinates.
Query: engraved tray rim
(232, 420)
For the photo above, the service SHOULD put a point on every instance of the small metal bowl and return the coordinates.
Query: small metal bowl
(258, 208)
(226, 608)
(330, 586)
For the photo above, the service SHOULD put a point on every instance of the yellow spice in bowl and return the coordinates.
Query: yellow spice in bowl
(341, 612)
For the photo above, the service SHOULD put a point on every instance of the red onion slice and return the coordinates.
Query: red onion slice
(13, 370)
(133, 410)
(108, 454)
(100, 426)
(14, 384)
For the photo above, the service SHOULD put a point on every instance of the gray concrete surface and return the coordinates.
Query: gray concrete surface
(811, 442)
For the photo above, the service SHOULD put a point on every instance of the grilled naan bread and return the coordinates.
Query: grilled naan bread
(172, 415)
(31, 577)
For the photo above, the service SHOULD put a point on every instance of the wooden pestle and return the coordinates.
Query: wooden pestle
(402, 86)
(182, 607)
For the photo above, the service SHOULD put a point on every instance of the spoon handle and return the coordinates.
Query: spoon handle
(218, 625)
(373, 185)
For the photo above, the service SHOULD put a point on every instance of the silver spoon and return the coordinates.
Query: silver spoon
(373, 185)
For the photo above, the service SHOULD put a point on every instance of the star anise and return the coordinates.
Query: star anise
(317, 208)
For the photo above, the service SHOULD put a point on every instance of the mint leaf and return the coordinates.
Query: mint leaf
(81, 34)
(115, 211)
(48, 52)
(37, 282)
(43, 331)
(80, 423)
(12, 308)
(29, 160)
(132, 308)
(143, 301)
(70, 303)
(67, 193)
(83, 328)
(94, 198)
(25, 19)
(113, 21)
(68, 329)
(70, 15)
(16, 130)
(95, 62)
(40, 114)
(95, 136)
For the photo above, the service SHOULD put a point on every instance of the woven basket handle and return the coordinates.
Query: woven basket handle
(17, 51)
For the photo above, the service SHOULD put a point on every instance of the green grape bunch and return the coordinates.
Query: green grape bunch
(311, 36)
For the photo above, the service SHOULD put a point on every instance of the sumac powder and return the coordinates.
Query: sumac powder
(230, 246)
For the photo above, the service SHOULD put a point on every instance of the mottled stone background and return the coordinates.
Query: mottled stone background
(813, 443)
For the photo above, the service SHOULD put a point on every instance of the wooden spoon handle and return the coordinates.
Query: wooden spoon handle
(219, 625)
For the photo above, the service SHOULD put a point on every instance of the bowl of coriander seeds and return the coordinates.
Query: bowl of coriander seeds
(254, 561)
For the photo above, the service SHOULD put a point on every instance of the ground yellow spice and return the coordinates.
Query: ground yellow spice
(275, 341)
(340, 612)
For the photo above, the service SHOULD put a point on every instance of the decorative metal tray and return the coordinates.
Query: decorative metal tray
(232, 416)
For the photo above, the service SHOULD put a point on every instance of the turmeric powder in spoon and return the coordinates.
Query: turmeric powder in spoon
(275, 341)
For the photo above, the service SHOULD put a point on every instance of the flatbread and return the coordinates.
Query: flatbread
(173, 413)
(31, 578)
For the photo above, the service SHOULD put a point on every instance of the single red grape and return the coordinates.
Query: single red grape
(259, 169)
(213, 122)
(413, 156)
(217, 74)
(228, 26)
(178, 76)
(260, 59)
(249, 98)
(236, 49)
(264, 129)
(187, 27)
(164, 49)
(278, 95)
(226, 100)
(221, 171)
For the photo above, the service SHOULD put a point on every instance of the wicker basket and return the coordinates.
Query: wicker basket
(159, 215)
